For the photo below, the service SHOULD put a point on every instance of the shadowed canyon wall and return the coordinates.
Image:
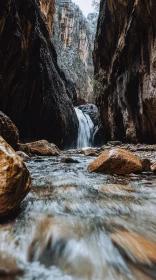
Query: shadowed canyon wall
(73, 37)
(32, 91)
(125, 69)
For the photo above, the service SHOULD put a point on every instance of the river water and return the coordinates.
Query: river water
(64, 228)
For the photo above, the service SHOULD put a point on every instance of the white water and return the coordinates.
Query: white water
(85, 131)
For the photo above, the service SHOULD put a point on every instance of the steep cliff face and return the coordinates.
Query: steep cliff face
(73, 36)
(125, 69)
(32, 93)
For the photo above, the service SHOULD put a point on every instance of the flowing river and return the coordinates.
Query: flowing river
(65, 224)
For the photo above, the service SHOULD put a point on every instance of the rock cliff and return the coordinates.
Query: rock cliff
(32, 89)
(125, 69)
(73, 36)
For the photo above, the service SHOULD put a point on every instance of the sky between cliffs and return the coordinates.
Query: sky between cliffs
(85, 6)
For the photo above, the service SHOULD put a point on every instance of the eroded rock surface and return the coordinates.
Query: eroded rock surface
(14, 178)
(125, 69)
(32, 92)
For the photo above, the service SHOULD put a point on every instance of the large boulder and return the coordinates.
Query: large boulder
(116, 161)
(14, 178)
(43, 148)
(8, 131)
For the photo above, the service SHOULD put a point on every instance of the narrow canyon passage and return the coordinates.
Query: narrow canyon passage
(77, 140)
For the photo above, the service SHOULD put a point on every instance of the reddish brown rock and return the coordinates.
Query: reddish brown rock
(43, 148)
(8, 131)
(116, 161)
(135, 247)
(14, 178)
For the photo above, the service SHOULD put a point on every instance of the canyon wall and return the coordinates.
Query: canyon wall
(125, 69)
(73, 37)
(32, 87)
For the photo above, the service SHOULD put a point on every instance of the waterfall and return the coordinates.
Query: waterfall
(85, 131)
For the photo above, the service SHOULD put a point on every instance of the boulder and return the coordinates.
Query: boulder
(14, 178)
(153, 167)
(116, 161)
(146, 164)
(135, 247)
(43, 148)
(8, 131)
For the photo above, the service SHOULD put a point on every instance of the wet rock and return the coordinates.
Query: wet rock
(116, 161)
(115, 189)
(135, 247)
(69, 160)
(23, 148)
(91, 152)
(92, 111)
(153, 167)
(14, 178)
(43, 148)
(23, 156)
(8, 131)
(146, 164)
(8, 266)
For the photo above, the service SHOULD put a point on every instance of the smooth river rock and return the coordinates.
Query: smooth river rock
(43, 148)
(116, 161)
(14, 178)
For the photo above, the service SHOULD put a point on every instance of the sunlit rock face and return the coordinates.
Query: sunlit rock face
(33, 93)
(73, 36)
(48, 9)
(125, 69)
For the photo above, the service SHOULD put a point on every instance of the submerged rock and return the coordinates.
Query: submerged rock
(116, 161)
(153, 167)
(43, 148)
(14, 178)
(8, 266)
(69, 160)
(8, 131)
(137, 248)
(115, 189)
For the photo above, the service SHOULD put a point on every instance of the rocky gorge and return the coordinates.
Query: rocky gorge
(70, 210)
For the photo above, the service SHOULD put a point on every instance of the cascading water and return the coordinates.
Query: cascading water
(85, 131)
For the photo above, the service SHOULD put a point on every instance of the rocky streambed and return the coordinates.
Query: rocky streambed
(80, 225)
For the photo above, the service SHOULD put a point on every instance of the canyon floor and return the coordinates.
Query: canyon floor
(80, 225)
